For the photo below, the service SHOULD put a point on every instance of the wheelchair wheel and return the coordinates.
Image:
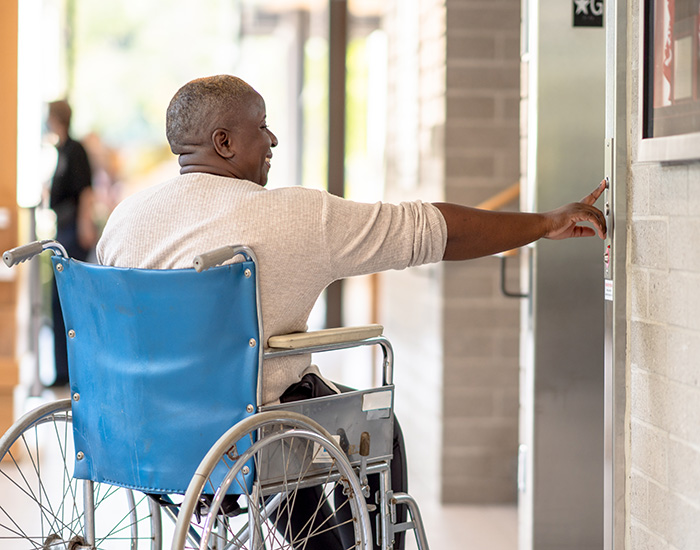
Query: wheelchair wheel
(43, 507)
(305, 493)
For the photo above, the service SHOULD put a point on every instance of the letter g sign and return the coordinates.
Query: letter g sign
(596, 7)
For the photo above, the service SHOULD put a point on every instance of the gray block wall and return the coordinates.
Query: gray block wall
(663, 327)
(457, 347)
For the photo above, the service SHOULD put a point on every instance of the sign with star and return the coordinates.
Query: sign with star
(588, 13)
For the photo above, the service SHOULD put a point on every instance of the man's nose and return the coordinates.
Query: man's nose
(274, 139)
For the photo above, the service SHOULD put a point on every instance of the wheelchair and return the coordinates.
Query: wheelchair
(164, 435)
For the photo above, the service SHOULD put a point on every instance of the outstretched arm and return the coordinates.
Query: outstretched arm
(472, 233)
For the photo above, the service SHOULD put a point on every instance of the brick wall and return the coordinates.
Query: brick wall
(481, 327)
(453, 131)
(663, 279)
(664, 345)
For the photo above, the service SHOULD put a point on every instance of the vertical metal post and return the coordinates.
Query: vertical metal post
(337, 40)
(256, 542)
(337, 51)
(35, 300)
(615, 205)
(384, 517)
(89, 511)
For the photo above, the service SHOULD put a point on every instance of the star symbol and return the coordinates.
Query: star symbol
(582, 6)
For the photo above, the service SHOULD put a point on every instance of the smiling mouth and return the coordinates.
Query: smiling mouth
(268, 160)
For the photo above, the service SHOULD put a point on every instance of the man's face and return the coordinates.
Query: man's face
(253, 142)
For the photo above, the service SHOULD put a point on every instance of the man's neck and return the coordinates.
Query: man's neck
(203, 169)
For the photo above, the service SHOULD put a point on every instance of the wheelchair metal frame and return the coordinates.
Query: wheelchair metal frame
(310, 418)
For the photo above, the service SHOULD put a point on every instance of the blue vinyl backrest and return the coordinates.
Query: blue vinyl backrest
(162, 363)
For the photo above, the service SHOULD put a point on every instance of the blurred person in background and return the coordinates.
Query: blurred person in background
(70, 197)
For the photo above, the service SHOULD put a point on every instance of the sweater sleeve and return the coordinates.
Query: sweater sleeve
(366, 238)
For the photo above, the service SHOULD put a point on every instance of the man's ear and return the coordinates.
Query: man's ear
(223, 144)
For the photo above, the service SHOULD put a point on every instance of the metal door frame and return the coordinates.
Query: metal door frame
(615, 274)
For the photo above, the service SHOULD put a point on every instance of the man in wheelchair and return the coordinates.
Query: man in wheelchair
(304, 239)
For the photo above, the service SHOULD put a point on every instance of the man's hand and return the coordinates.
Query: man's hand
(563, 222)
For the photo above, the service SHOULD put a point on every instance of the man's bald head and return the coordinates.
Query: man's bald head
(201, 106)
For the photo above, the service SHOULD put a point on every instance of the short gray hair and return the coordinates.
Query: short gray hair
(197, 103)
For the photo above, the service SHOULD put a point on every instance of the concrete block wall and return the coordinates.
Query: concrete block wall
(663, 327)
(481, 326)
(663, 349)
(456, 336)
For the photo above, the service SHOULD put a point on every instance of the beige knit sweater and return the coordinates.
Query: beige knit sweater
(304, 239)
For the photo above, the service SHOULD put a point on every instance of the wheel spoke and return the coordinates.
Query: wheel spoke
(47, 507)
(289, 520)
(68, 485)
(41, 496)
(17, 530)
(120, 526)
(320, 504)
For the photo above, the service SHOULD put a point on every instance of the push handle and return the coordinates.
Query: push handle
(218, 256)
(22, 253)
(213, 258)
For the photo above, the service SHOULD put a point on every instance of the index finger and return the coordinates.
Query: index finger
(595, 195)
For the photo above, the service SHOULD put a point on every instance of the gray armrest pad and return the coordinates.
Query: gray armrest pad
(322, 337)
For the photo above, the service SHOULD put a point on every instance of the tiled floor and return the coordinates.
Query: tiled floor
(471, 528)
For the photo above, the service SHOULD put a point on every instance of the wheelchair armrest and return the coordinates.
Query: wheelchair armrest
(331, 340)
(340, 335)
